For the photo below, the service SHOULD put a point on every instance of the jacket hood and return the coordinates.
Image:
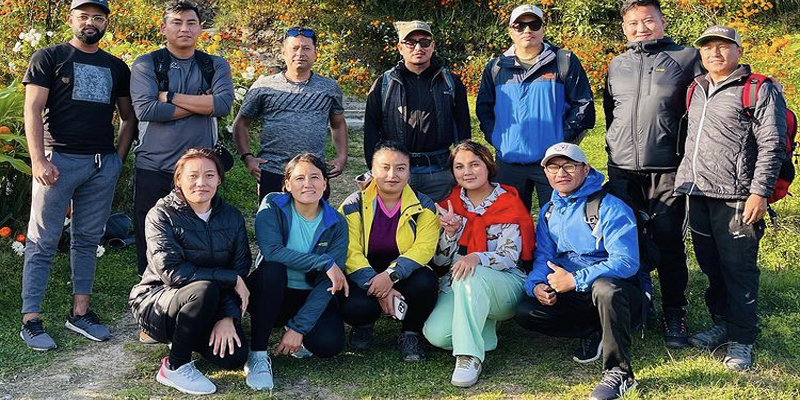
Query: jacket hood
(592, 183)
(650, 46)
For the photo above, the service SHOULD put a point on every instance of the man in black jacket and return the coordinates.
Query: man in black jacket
(733, 156)
(422, 105)
(644, 104)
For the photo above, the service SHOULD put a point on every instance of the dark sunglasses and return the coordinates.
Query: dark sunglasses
(535, 25)
(297, 31)
(411, 44)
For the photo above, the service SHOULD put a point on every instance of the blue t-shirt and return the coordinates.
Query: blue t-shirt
(300, 237)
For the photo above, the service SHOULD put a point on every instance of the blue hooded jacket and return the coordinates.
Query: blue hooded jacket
(567, 240)
(273, 223)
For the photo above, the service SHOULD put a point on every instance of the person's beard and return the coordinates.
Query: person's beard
(85, 38)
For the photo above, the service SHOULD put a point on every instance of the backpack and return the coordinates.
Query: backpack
(161, 66)
(749, 97)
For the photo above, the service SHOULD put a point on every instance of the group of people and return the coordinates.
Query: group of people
(439, 234)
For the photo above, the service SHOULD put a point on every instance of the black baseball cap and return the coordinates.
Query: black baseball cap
(100, 3)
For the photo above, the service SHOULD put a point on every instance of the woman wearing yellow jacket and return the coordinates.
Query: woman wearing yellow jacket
(393, 234)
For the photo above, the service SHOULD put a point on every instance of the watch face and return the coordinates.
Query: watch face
(394, 276)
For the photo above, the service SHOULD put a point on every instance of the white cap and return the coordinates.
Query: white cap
(564, 149)
(525, 9)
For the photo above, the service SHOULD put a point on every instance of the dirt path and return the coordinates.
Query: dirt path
(94, 371)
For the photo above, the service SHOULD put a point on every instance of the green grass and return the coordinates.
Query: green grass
(525, 366)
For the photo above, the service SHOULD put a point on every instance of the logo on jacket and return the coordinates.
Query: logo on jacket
(549, 75)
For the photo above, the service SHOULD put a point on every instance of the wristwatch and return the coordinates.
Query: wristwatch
(393, 275)
(170, 96)
(244, 156)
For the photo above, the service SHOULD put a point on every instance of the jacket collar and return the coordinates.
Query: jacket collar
(433, 70)
(592, 183)
(741, 73)
(650, 46)
(284, 203)
(509, 57)
(409, 202)
(175, 200)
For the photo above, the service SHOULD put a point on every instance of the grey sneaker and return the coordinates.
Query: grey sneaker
(360, 337)
(258, 370)
(712, 337)
(33, 334)
(302, 352)
(88, 325)
(466, 372)
(739, 357)
(410, 346)
(186, 379)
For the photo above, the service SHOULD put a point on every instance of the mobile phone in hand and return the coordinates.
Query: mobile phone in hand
(400, 308)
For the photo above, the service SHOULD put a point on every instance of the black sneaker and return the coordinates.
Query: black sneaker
(590, 349)
(360, 337)
(614, 384)
(410, 346)
(712, 337)
(673, 321)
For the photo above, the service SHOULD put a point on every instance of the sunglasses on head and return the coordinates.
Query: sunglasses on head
(535, 25)
(298, 31)
(411, 43)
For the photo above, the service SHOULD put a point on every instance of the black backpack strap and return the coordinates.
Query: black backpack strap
(548, 212)
(592, 212)
(563, 58)
(206, 64)
(161, 61)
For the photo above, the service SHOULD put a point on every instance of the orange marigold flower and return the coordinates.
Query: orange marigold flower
(5, 231)
(4, 130)
(21, 238)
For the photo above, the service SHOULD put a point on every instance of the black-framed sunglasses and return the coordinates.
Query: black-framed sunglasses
(411, 43)
(299, 31)
(535, 25)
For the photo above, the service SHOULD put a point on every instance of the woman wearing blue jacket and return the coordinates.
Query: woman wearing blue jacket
(303, 243)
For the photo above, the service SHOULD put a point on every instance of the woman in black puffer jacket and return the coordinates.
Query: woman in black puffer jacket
(192, 293)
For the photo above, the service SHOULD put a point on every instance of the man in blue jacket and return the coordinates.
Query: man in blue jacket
(583, 279)
(532, 96)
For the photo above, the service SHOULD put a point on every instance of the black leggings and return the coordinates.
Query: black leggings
(273, 304)
(420, 290)
(190, 318)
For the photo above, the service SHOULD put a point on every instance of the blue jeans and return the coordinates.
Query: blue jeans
(86, 180)
(435, 184)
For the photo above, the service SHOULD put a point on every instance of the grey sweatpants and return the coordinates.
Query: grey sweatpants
(88, 181)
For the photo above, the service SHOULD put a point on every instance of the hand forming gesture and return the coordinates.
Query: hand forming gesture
(449, 220)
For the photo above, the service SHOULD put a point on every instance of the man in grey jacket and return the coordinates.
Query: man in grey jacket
(733, 156)
(644, 104)
(175, 115)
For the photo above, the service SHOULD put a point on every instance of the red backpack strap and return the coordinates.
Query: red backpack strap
(689, 93)
(750, 90)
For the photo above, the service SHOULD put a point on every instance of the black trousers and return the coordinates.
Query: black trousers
(272, 304)
(727, 250)
(526, 177)
(420, 289)
(271, 182)
(148, 187)
(651, 193)
(190, 318)
(612, 306)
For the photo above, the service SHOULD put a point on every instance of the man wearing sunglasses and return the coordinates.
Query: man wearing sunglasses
(583, 283)
(178, 94)
(644, 102)
(532, 96)
(296, 107)
(71, 92)
(421, 104)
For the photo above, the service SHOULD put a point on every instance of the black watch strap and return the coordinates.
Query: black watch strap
(170, 96)
(244, 156)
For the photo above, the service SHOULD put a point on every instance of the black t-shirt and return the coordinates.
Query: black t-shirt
(83, 94)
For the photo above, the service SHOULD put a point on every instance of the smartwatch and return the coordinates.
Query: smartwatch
(170, 96)
(393, 275)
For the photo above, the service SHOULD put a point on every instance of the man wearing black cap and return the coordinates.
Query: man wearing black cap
(644, 105)
(422, 105)
(71, 92)
(178, 93)
(733, 156)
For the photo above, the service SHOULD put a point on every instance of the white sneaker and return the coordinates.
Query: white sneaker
(467, 370)
(186, 379)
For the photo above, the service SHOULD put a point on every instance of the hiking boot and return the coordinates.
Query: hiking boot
(88, 325)
(258, 371)
(33, 334)
(712, 337)
(466, 372)
(590, 348)
(146, 339)
(614, 384)
(410, 346)
(185, 378)
(360, 337)
(739, 356)
(673, 321)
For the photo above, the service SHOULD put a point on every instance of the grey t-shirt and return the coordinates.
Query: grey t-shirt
(161, 140)
(294, 116)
